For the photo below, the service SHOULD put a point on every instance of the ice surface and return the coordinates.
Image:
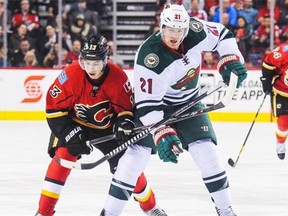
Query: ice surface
(259, 182)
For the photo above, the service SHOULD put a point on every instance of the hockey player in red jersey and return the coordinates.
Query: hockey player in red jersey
(90, 98)
(275, 83)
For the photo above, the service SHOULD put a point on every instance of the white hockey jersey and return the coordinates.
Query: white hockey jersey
(165, 77)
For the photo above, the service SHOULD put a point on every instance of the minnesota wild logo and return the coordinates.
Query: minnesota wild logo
(196, 26)
(189, 81)
(151, 60)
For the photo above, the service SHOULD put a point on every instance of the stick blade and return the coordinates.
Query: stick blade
(68, 164)
(231, 162)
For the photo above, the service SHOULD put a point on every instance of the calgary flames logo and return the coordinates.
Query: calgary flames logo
(96, 116)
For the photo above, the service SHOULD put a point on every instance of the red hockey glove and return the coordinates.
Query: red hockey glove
(168, 144)
(229, 63)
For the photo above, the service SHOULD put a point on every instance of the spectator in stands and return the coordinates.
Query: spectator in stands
(226, 22)
(261, 37)
(66, 38)
(27, 16)
(90, 17)
(74, 53)
(227, 8)
(9, 15)
(265, 11)
(51, 59)
(80, 28)
(17, 59)
(209, 61)
(243, 33)
(283, 19)
(249, 13)
(187, 4)
(15, 39)
(49, 40)
(51, 16)
(238, 5)
(210, 6)
(30, 59)
(195, 11)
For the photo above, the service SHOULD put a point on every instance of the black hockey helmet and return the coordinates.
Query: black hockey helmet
(95, 47)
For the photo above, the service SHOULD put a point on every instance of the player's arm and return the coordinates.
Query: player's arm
(269, 67)
(223, 41)
(59, 102)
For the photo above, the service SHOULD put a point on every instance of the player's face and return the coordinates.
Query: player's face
(94, 68)
(173, 37)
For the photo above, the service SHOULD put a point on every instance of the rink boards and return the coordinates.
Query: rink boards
(23, 93)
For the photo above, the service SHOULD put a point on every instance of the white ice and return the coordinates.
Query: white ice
(259, 182)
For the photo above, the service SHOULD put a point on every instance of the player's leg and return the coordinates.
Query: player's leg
(130, 167)
(54, 181)
(198, 137)
(280, 110)
(281, 135)
(144, 194)
(205, 155)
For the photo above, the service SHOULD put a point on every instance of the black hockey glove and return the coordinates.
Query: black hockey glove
(123, 126)
(229, 63)
(266, 84)
(74, 141)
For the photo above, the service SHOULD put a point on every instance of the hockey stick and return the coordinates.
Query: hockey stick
(142, 134)
(222, 103)
(230, 161)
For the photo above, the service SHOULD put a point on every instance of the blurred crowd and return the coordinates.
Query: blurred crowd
(33, 41)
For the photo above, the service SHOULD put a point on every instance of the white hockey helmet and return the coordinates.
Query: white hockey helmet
(175, 16)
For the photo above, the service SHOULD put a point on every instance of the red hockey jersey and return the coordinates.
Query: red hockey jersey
(75, 97)
(277, 62)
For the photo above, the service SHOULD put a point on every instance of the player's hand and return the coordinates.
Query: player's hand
(229, 63)
(123, 126)
(168, 144)
(266, 85)
(74, 141)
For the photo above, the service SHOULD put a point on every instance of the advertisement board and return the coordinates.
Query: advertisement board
(23, 94)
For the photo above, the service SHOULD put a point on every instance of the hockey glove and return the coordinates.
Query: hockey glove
(168, 144)
(123, 126)
(74, 142)
(229, 63)
(266, 84)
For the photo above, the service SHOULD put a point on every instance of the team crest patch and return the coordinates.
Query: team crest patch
(151, 60)
(62, 77)
(196, 26)
(285, 48)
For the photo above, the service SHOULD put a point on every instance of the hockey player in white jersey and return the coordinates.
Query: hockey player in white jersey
(166, 76)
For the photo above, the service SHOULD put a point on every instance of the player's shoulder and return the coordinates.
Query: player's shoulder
(154, 55)
(72, 72)
(116, 73)
(115, 69)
